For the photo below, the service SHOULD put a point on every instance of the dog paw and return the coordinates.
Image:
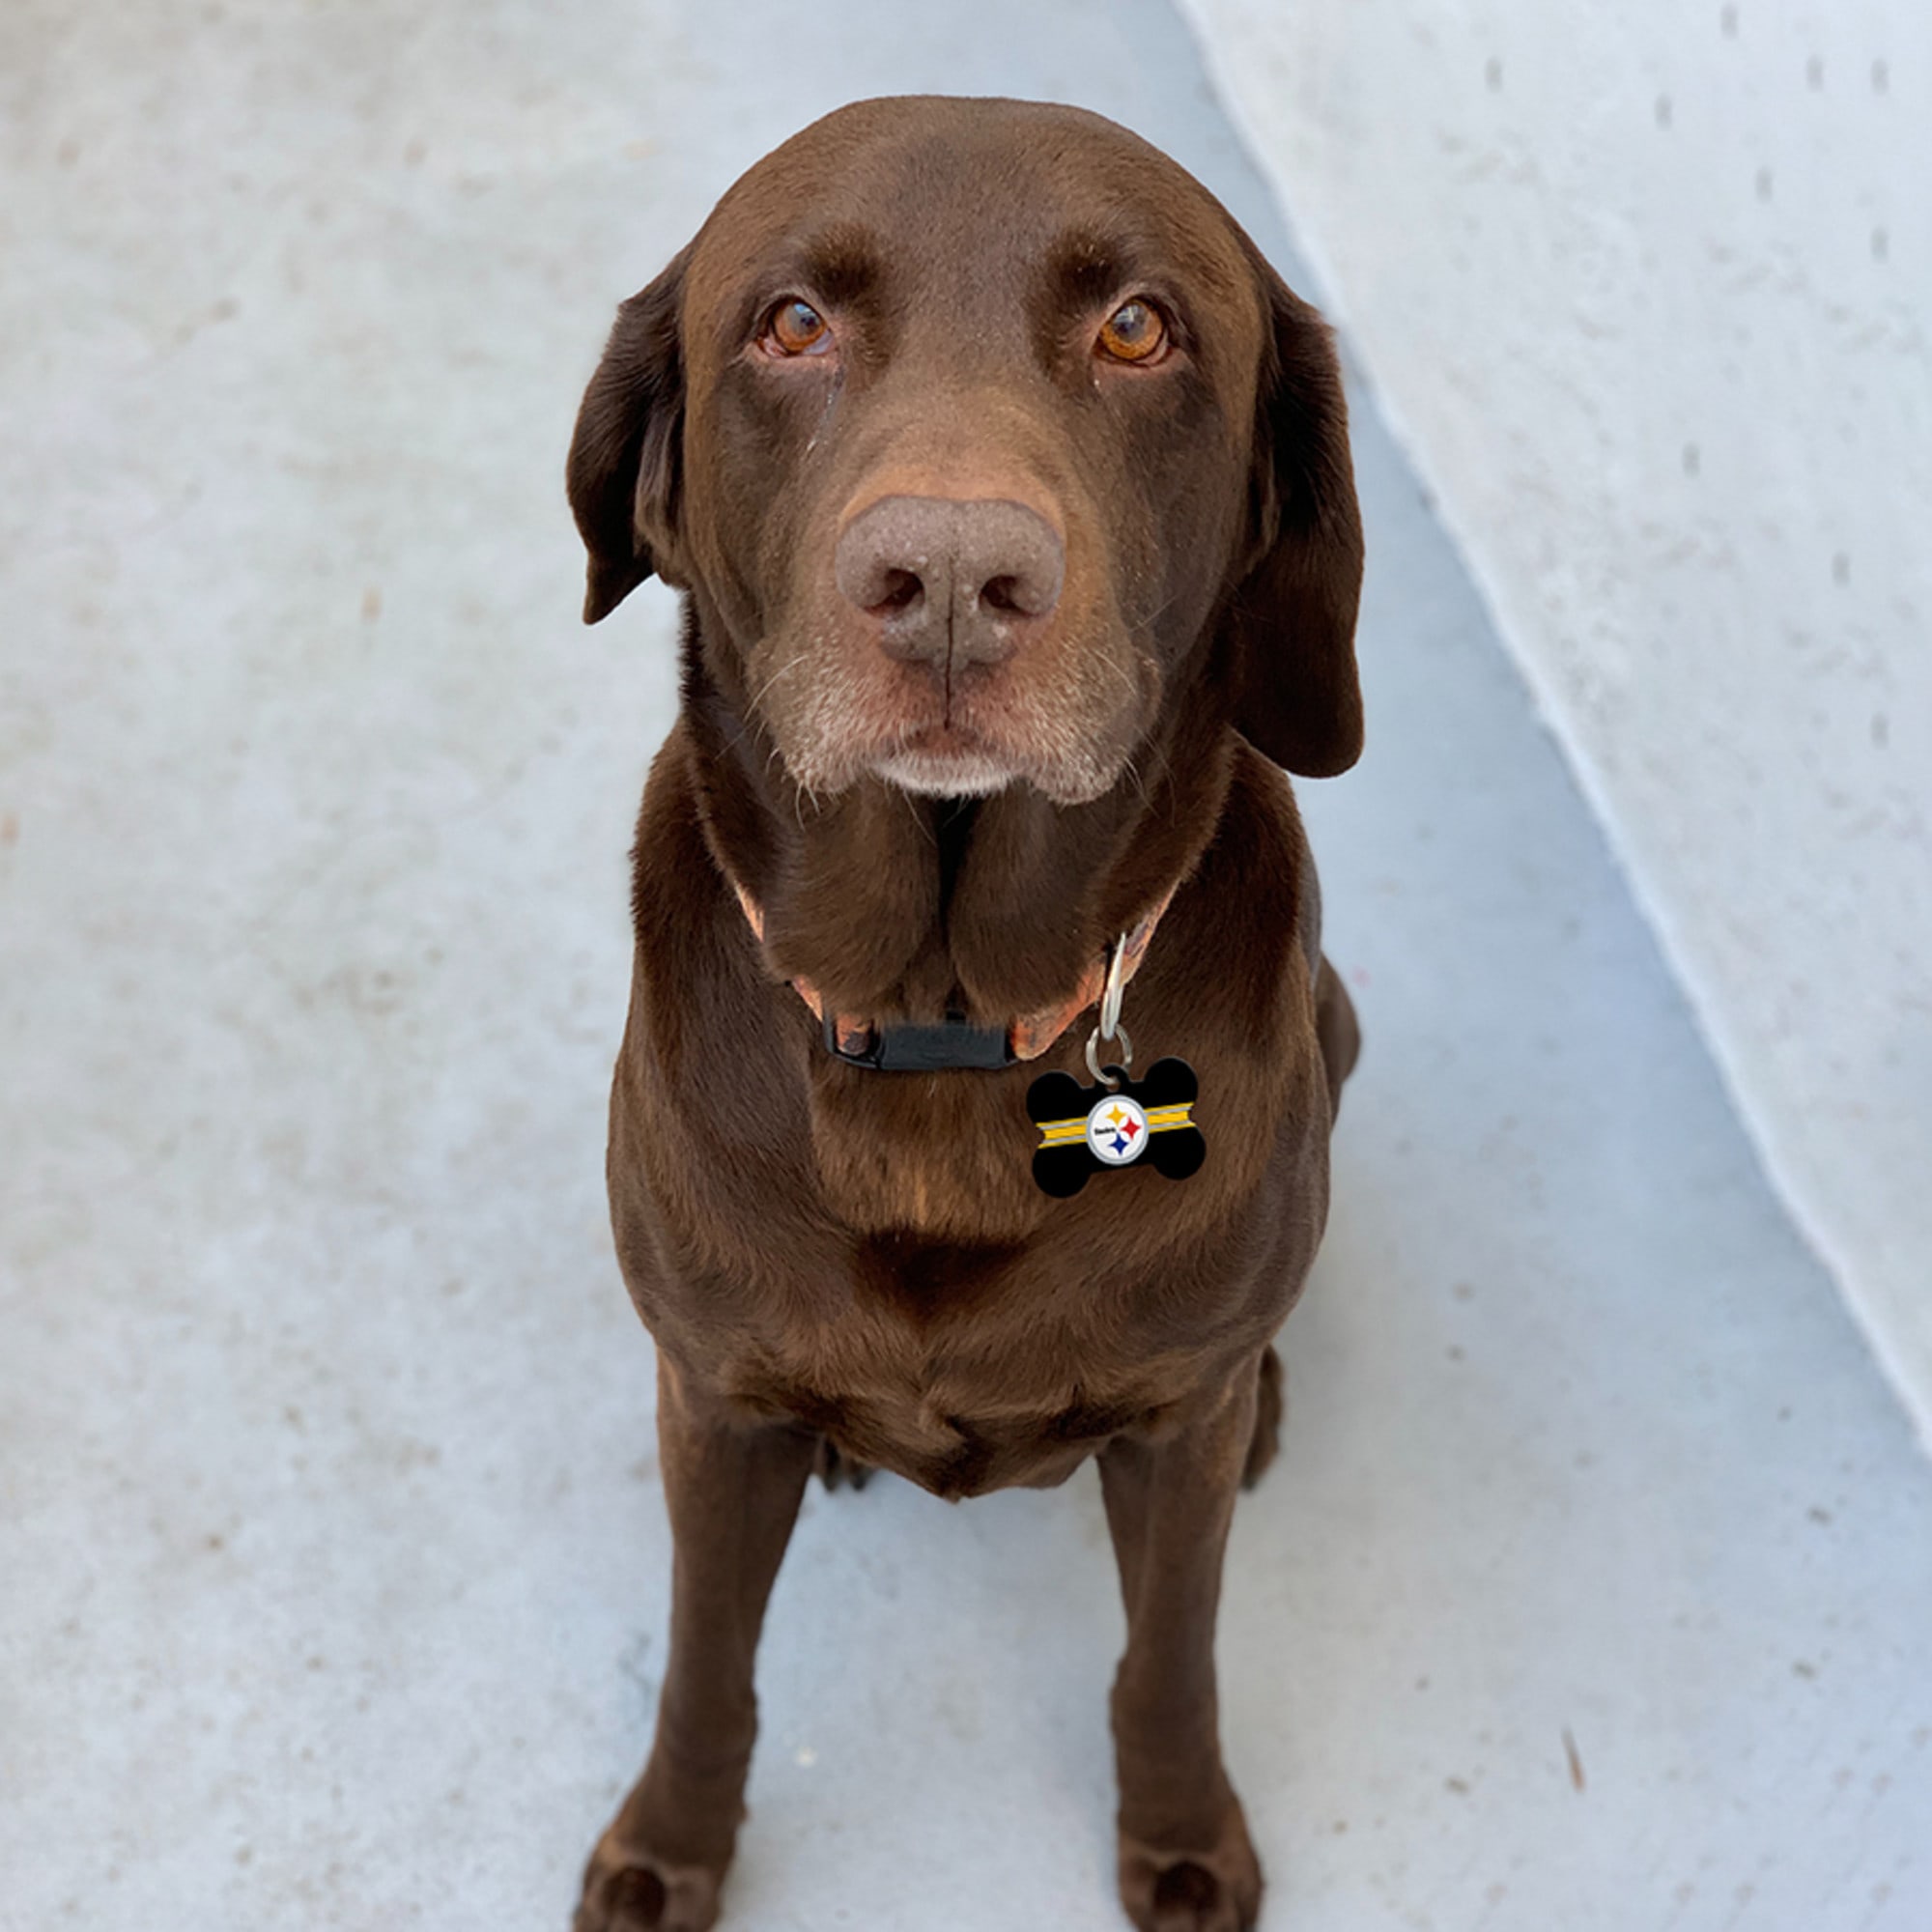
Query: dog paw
(837, 1470)
(630, 1890)
(1217, 1890)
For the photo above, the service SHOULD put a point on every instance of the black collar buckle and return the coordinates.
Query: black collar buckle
(915, 1048)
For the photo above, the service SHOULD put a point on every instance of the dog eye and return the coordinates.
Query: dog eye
(794, 328)
(1135, 332)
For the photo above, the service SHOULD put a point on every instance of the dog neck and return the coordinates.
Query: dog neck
(924, 1048)
(903, 908)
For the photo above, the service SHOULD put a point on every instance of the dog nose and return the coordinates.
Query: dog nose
(950, 582)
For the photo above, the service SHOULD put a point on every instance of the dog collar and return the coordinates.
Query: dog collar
(915, 1048)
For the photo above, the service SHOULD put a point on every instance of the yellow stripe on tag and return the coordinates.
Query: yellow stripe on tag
(1159, 1120)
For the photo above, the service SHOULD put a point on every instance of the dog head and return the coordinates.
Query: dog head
(973, 427)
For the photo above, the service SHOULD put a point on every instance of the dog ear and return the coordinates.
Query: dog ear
(625, 465)
(1293, 612)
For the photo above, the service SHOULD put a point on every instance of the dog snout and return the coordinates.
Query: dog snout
(950, 583)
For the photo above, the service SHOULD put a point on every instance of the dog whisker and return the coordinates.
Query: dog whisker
(759, 696)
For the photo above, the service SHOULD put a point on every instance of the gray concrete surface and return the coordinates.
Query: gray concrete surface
(333, 1579)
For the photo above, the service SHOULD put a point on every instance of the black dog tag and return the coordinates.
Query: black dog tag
(1146, 1122)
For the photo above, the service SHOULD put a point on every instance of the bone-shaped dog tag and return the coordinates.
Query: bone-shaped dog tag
(1146, 1122)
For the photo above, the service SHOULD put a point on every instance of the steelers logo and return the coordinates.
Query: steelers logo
(1117, 1130)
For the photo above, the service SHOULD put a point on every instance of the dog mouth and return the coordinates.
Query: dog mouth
(971, 738)
(948, 760)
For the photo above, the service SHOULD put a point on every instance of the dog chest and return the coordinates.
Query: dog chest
(964, 1375)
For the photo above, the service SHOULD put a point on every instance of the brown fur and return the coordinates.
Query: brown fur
(848, 1269)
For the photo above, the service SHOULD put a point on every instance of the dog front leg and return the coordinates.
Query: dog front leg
(1185, 1860)
(732, 1489)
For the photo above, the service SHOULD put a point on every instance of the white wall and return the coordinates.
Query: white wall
(1646, 289)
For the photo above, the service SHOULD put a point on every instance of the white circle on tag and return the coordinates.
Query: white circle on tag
(1117, 1130)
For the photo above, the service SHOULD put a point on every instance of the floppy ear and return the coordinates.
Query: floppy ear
(1294, 613)
(624, 470)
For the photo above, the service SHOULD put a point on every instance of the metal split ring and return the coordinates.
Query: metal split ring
(1124, 1060)
(1110, 1027)
(1116, 985)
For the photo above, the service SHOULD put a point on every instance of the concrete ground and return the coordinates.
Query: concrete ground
(1592, 1591)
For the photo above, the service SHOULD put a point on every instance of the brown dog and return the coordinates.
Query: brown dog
(1010, 493)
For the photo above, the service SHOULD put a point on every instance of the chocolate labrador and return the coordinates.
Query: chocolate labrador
(1010, 495)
